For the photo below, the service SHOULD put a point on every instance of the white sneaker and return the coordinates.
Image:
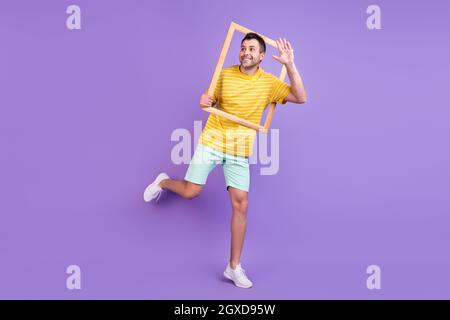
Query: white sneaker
(153, 190)
(238, 276)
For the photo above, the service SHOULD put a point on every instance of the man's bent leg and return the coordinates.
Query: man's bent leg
(185, 189)
(203, 161)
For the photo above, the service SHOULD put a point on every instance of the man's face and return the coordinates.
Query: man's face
(249, 56)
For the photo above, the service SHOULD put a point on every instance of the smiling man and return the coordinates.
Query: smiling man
(244, 90)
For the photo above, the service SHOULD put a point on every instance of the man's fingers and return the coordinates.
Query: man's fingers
(283, 44)
(289, 45)
(206, 100)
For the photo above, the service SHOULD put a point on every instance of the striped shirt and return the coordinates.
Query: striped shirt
(245, 96)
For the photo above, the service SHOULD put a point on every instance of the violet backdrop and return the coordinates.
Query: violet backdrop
(85, 123)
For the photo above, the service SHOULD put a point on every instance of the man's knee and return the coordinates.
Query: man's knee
(239, 201)
(240, 206)
(192, 190)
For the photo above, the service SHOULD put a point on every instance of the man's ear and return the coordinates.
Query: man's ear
(261, 56)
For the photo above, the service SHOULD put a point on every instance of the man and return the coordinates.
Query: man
(244, 90)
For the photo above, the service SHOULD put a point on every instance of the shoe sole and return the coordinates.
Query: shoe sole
(225, 274)
(146, 190)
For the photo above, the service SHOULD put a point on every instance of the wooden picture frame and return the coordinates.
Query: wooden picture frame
(226, 45)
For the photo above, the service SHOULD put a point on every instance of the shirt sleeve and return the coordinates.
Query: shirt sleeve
(280, 91)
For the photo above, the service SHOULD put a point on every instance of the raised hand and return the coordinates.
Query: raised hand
(286, 52)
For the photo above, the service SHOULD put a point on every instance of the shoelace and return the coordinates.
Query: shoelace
(159, 195)
(241, 272)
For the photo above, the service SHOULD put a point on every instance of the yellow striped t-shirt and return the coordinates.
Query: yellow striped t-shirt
(245, 96)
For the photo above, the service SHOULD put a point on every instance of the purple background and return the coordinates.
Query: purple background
(85, 124)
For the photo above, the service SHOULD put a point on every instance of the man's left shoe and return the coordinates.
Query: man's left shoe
(238, 276)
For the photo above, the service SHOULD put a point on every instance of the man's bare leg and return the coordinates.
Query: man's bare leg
(183, 188)
(239, 204)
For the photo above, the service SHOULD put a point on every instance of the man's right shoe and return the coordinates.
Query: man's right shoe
(153, 190)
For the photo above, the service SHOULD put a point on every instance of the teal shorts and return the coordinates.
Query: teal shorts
(235, 169)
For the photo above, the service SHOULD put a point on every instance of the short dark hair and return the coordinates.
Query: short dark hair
(252, 35)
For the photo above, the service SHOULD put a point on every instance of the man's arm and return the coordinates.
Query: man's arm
(298, 93)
